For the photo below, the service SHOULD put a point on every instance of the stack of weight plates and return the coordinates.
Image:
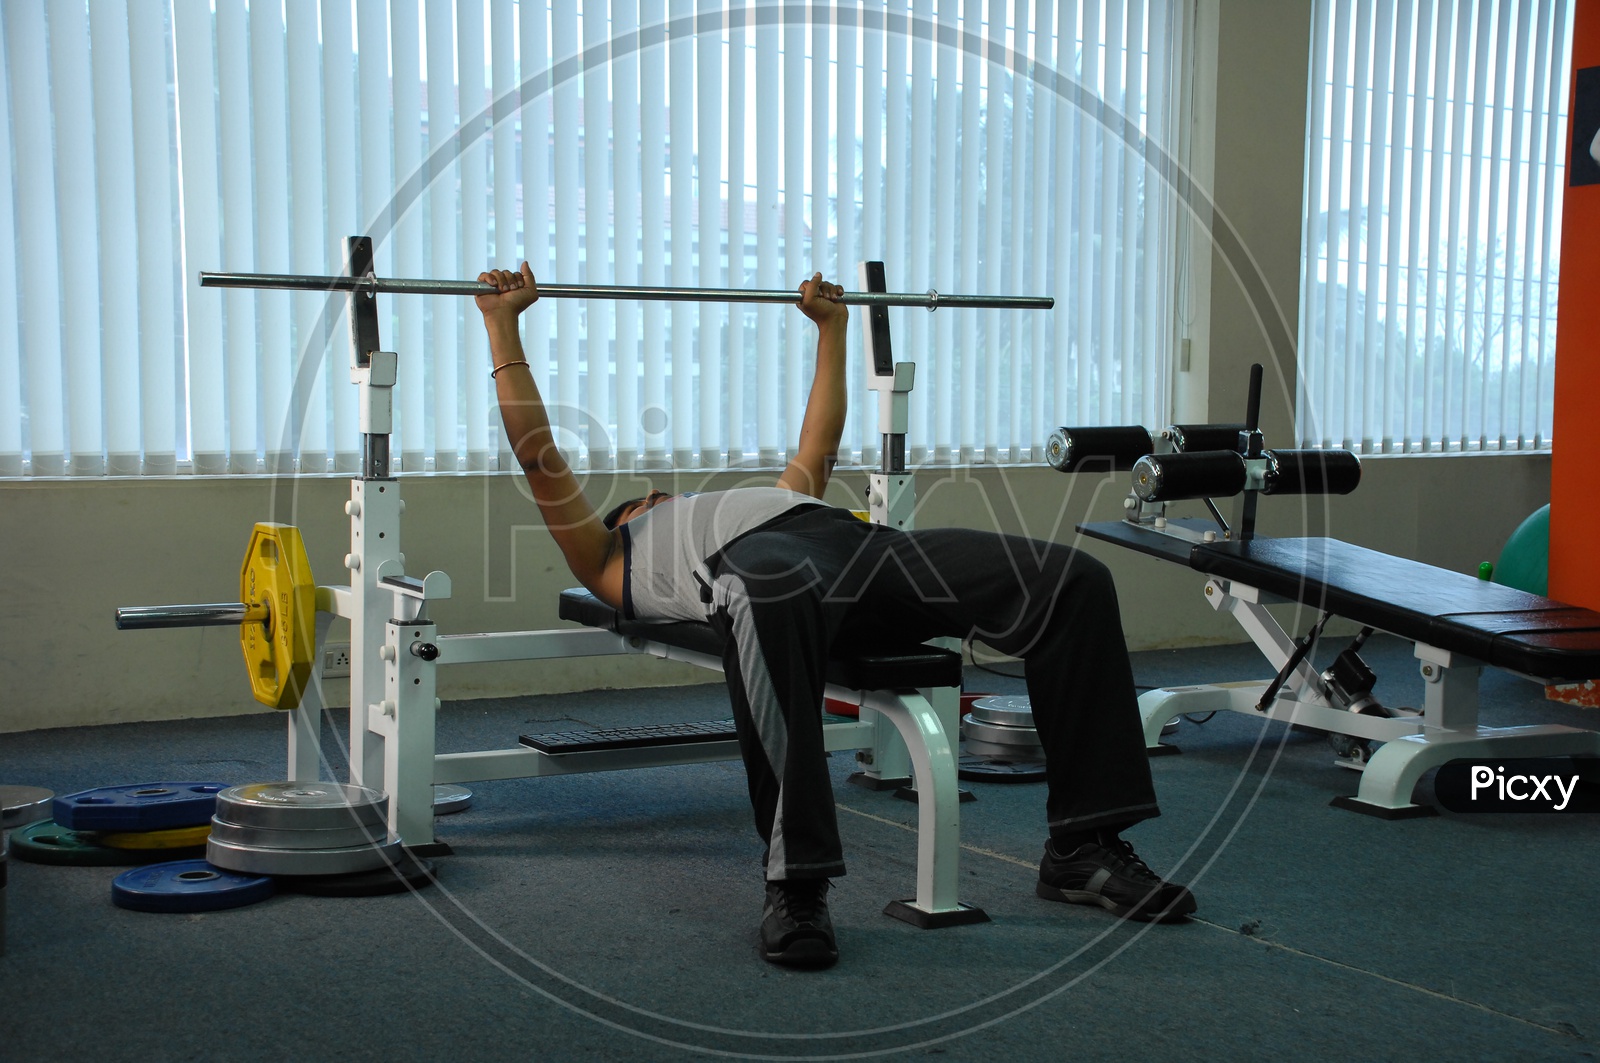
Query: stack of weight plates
(999, 743)
(301, 829)
(141, 823)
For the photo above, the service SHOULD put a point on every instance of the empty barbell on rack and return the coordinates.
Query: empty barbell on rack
(373, 285)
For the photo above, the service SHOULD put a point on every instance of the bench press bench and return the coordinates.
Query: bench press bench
(915, 688)
(1457, 623)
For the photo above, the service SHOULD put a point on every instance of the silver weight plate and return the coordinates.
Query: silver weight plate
(302, 806)
(23, 804)
(260, 860)
(1005, 710)
(448, 798)
(326, 838)
(1017, 738)
(972, 747)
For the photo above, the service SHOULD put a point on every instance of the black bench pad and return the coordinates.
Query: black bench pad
(877, 668)
(1453, 611)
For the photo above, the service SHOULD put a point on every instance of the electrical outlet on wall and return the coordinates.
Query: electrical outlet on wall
(335, 660)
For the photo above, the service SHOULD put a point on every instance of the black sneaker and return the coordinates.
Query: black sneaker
(796, 929)
(1113, 877)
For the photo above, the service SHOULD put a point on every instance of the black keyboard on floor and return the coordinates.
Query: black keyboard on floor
(630, 737)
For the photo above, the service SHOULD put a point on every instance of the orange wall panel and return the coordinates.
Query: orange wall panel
(1575, 464)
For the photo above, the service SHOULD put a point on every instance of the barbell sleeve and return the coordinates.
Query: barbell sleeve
(374, 285)
(213, 614)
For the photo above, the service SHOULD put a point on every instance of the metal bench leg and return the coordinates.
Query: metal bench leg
(933, 762)
(407, 719)
(1450, 708)
(1392, 773)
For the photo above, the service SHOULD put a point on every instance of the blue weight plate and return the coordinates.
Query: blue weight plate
(187, 886)
(139, 807)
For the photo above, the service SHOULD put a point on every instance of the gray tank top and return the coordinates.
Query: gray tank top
(666, 548)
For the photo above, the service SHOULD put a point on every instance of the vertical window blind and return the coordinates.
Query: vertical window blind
(657, 142)
(1434, 178)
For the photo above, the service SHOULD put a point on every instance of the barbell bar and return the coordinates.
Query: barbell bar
(213, 614)
(373, 285)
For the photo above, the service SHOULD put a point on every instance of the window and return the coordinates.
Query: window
(1433, 188)
(609, 142)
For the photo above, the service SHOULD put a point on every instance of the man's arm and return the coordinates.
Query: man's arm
(813, 462)
(589, 548)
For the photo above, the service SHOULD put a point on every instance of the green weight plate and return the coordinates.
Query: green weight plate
(44, 842)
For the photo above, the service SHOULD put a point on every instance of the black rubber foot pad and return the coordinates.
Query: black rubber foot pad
(874, 782)
(964, 914)
(1351, 804)
(909, 793)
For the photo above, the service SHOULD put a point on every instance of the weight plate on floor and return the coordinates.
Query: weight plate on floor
(259, 860)
(996, 735)
(267, 838)
(46, 842)
(140, 806)
(975, 768)
(1007, 710)
(302, 805)
(23, 804)
(187, 886)
(448, 798)
(407, 872)
(986, 749)
(175, 838)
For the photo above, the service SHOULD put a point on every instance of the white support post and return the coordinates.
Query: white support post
(933, 758)
(374, 510)
(407, 716)
(1449, 688)
(891, 501)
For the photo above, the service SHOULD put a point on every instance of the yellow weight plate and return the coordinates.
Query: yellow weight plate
(278, 648)
(172, 838)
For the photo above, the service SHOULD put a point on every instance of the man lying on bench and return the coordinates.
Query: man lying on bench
(783, 577)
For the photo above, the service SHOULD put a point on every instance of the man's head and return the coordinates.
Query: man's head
(632, 508)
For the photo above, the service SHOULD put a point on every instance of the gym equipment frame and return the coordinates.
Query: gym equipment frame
(1457, 624)
(909, 705)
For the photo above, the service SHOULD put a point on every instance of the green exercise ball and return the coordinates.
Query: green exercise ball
(1525, 561)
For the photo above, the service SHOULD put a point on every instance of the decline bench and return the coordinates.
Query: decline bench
(1457, 624)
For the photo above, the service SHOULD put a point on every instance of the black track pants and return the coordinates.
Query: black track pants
(786, 594)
